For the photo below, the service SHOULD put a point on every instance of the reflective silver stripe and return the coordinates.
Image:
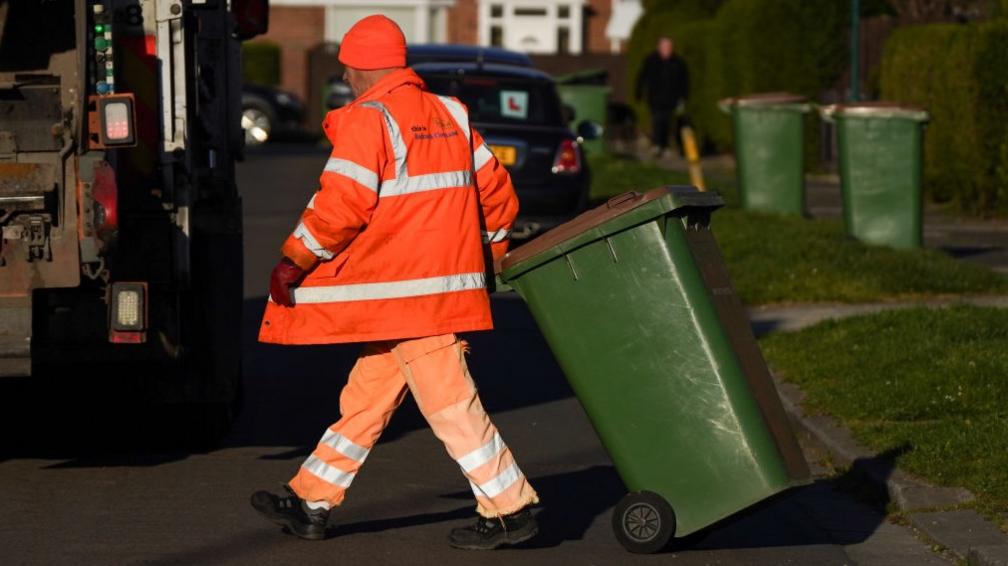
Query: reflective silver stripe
(403, 184)
(428, 182)
(458, 112)
(353, 171)
(496, 486)
(482, 455)
(328, 473)
(481, 156)
(311, 203)
(311, 243)
(395, 135)
(390, 289)
(498, 236)
(344, 446)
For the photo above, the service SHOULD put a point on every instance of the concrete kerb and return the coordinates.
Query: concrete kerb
(931, 509)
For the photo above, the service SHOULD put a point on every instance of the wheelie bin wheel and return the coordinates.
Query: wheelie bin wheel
(643, 522)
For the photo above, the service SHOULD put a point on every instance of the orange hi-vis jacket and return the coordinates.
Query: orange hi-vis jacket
(393, 238)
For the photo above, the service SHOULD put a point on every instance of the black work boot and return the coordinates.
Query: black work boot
(292, 513)
(488, 534)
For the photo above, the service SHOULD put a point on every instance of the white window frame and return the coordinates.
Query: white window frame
(508, 25)
(430, 15)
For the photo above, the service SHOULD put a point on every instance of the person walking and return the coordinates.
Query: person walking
(390, 252)
(664, 79)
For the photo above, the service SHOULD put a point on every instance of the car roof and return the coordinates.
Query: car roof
(489, 69)
(443, 52)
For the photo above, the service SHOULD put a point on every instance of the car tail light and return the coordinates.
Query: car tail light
(568, 158)
(128, 313)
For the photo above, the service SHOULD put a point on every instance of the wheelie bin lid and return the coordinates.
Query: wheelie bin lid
(617, 214)
(592, 77)
(766, 99)
(874, 109)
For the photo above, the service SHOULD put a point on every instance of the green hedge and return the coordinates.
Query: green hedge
(261, 63)
(959, 73)
(701, 48)
(746, 47)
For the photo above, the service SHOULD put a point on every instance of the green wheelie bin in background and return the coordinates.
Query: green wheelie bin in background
(587, 93)
(636, 304)
(769, 150)
(880, 152)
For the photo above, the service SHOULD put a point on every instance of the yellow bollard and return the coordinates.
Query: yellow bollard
(693, 157)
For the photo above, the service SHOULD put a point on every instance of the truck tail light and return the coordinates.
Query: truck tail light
(568, 158)
(128, 313)
(105, 193)
(112, 121)
(116, 119)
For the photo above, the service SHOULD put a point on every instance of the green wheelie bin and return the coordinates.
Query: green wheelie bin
(769, 150)
(587, 93)
(636, 304)
(880, 152)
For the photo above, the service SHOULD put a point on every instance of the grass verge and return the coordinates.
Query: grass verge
(613, 175)
(788, 259)
(930, 382)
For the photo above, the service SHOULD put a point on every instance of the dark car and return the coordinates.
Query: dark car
(341, 95)
(451, 53)
(520, 116)
(268, 112)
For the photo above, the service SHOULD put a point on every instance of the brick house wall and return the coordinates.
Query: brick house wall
(597, 13)
(463, 22)
(295, 30)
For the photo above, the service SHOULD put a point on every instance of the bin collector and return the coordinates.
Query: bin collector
(390, 253)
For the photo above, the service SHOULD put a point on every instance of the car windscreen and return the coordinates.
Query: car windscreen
(501, 100)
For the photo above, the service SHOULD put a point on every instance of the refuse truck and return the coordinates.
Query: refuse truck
(121, 250)
(635, 301)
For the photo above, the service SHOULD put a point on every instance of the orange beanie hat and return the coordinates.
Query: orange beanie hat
(375, 42)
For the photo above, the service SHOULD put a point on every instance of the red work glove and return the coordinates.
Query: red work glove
(285, 275)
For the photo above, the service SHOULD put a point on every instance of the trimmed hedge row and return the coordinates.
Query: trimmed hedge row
(745, 47)
(261, 63)
(959, 73)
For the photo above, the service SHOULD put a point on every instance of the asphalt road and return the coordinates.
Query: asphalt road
(72, 491)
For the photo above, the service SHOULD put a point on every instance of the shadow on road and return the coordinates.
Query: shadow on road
(822, 513)
(840, 510)
(291, 394)
(826, 512)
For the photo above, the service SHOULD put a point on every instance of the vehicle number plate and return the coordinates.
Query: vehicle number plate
(506, 154)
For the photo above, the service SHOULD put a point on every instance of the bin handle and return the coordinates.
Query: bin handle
(620, 199)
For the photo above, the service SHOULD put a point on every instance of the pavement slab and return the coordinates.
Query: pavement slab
(988, 555)
(960, 531)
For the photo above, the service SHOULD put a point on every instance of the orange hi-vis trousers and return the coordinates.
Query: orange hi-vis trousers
(434, 370)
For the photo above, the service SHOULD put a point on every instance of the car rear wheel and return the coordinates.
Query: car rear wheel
(257, 122)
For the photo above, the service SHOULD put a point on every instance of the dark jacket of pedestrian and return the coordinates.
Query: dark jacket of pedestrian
(664, 81)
